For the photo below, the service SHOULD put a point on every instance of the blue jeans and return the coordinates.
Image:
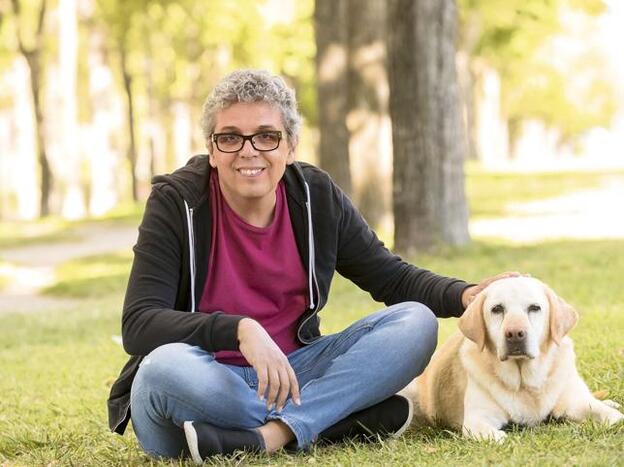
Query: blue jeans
(338, 374)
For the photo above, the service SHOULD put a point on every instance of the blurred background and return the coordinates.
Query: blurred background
(476, 136)
(97, 96)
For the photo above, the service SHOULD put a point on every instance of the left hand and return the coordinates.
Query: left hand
(471, 292)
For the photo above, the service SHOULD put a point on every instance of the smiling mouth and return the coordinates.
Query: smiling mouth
(250, 172)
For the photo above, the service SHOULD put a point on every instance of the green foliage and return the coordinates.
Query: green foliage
(178, 50)
(510, 35)
(511, 30)
(22, 24)
(293, 47)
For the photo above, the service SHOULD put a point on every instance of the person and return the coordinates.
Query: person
(233, 262)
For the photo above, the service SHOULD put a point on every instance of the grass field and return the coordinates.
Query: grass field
(56, 366)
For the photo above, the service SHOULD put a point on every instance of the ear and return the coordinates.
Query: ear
(209, 148)
(292, 145)
(472, 324)
(211, 160)
(562, 316)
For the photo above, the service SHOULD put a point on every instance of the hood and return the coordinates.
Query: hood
(191, 181)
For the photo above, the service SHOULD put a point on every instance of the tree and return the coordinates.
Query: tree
(119, 17)
(367, 108)
(428, 138)
(33, 53)
(330, 20)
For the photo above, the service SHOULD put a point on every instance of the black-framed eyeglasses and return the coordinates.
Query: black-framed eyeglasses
(261, 141)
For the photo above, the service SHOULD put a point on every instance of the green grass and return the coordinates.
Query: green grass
(55, 230)
(93, 276)
(490, 193)
(56, 366)
(16, 234)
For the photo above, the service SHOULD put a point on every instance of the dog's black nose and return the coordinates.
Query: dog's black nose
(515, 336)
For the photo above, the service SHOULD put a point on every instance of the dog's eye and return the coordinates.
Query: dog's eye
(496, 309)
(534, 308)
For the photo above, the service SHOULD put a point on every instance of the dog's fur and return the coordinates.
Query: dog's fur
(514, 364)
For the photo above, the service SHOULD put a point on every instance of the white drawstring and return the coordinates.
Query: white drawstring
(311, 256)
(189, 223)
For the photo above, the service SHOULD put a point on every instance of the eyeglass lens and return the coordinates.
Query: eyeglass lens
(232, 142)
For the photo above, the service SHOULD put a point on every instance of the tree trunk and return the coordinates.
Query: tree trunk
(330, 20)
(131, 152)
(370, 147)
(34, 64)
(428, 137)
(33, 58)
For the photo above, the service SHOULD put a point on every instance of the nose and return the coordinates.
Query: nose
(515, 335)
(247, 149)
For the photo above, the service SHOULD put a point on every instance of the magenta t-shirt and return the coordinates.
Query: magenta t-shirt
(255, 272)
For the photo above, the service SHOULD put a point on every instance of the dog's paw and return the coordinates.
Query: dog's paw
(609, 413)
(612, 404)
(484, 434)
(615, 417)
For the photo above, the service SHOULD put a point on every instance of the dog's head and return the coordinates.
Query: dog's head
(516, 317)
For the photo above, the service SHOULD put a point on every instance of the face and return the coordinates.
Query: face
(248, 178)
(516, 316)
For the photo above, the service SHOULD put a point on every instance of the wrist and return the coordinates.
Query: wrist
(245, 325)
(467, 295)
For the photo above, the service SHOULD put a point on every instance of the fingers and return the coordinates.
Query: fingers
(294, 386)
(282, 383)
(263, 381)
(503, 275)
(274, 387)
(284, 390)
(277, 384)
(470, 293)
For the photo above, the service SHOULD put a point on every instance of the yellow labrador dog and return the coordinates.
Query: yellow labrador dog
(511, 362)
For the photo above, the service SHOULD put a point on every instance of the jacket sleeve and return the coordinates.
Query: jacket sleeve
(149, 317)
(364, 259)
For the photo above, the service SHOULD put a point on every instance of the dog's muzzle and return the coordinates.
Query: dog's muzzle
(516, 344)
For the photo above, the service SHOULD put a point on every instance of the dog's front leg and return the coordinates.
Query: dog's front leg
(578, 404)
(483, 418)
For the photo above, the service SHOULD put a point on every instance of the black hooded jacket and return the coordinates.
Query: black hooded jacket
(173, 249)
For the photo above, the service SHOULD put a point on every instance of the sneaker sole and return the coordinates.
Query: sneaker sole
(192, 443)
(408, 421)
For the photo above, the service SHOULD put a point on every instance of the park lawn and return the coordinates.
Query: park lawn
(57, 230)
(57, 367)
(490, 194)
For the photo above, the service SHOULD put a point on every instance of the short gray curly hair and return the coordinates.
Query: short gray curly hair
(252, 86)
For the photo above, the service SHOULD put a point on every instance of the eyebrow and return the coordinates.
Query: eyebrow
(235, 129)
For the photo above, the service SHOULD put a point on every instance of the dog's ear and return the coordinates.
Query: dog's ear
(562, 316)
(472, 324)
